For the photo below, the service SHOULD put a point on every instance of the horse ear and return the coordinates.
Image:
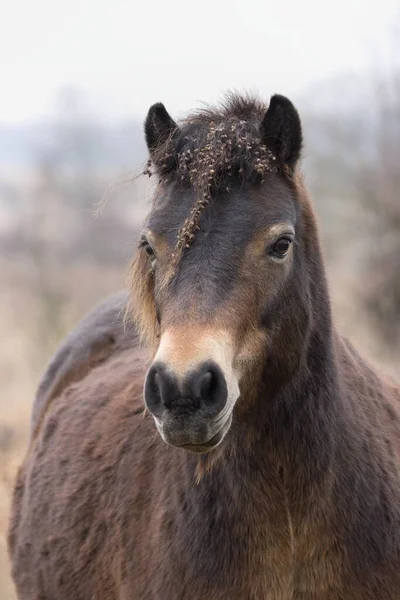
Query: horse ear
(281, 130)
(158, 127)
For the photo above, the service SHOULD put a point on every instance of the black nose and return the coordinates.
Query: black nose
(203, 389)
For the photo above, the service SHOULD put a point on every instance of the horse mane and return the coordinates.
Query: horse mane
(141, 306)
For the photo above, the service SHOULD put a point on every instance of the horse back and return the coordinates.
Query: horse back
(101, 334)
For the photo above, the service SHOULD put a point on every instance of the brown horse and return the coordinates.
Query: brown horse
(275, 473)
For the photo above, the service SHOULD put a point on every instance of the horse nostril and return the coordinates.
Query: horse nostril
(204, 385)
(160, 389)
(208, 385)
(156, 381)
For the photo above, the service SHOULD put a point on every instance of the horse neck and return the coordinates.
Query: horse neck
(292, 423)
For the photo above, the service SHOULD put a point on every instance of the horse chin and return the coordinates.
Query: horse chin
(198, 447)
(207, 446)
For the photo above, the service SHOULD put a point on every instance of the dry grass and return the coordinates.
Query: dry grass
(18, 383)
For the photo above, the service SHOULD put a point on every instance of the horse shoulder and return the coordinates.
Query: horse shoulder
(374, 395)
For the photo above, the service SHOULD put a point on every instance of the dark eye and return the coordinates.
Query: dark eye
(281, 247)
(144, 243)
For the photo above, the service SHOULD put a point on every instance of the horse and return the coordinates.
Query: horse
(263, 462)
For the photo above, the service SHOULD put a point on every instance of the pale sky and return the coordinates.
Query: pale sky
(127, 54)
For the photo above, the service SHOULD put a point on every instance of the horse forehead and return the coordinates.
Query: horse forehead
(237, 214)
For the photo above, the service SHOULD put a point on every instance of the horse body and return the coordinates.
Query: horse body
(299, 500)
(121, 515)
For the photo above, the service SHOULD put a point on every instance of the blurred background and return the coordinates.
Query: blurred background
(77, 78)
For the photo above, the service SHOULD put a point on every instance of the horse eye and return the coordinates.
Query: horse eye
(148, 249)
(281, 247)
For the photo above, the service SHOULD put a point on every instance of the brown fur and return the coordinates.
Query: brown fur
(301, 501)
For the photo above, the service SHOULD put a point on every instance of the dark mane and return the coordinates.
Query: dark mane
(214, 150)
